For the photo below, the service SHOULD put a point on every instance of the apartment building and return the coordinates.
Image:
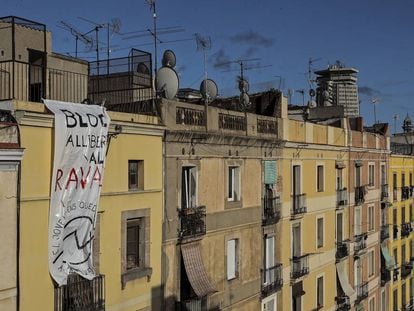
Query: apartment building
(128, 233)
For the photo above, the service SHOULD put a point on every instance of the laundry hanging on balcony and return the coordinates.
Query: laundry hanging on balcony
(343, 279)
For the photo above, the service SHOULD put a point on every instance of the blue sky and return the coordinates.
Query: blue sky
(374, 36)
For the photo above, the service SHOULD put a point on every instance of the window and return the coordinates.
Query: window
(296, 241)
(232, 259)
(357, 176)
(371, 175)
(188, 187)
(411, 179)
(296, 182)
(269, 258)
(233, 184)
(357, 220)
(403, 254)
(394, 223)
(339, 228)
(395, 300)
(383, 174)
(402, 179)
(411, 213)
(339, 179)
(357, 272)
(135, 175)
(320, 178)
(395, 256)
(269, 304)
(319, 233)
(403, 214)
(372, 304)
(371, 263)
(383, 301)
(135, 245)
(319, 291)
(371, 219)
(403, 295)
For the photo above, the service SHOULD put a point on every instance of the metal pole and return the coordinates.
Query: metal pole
(107, 50)
(154, 15)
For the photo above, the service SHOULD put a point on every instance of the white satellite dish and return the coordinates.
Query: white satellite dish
(168, 59)
(208, 89)
(167, 82)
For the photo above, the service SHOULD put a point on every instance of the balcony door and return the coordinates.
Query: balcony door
(296, 180)
(269, 258)
(339, 228)
(296, 247)
(357, 176)
(188, 187)
(36, 75)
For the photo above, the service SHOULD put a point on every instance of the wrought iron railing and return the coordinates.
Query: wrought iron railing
(406, 229)
(193, 221)
(81, 294)
(406, 268)
(298, 204)
(384, 192)
(385, 276)
(359, 194)
(405, 193)
(362, 292)
(360, 242)
(341, 197)
(272, 279)
(299, 266)
(189, 116)
(343, 303)
(266, 126)
(341, 250)
(385, 233)
(271, 210)
(232, 122)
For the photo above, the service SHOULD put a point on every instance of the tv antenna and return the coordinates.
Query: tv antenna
(204, 44)
(395, 117)
(280, 81)
(112, 27)
(301, 91)
(374, 102)
(87, 40)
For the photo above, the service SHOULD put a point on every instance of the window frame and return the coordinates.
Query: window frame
(235, 275)
(139, 175)
(371, 217)
(320, 304)
(371, 175)
(320, 178)
(371, 263)
(192, 171)
(320, 218)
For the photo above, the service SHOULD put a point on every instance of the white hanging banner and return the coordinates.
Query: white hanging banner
(81, 137)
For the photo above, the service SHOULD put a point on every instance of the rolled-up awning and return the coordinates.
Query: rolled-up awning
(343, 279)
(340, 164)
(297, 289)
(358, 163)
(389, 261)
(196, 272)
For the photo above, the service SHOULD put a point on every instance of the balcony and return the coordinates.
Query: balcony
(341, 197)
(299, 266)
(405, 193)
(272, 279)
(359, 195)
(362, 292)
(271, 210)
(81, 294)
(341, 250)
(196, 304)
(343, 303)
(385, 276)
(385, 234)
(384, 192)
(193, 222)
(406, 229)
(406, 268)
(299, 204)
(360, 242)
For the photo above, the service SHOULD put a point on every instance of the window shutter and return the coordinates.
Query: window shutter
(231, 259)
(193, 187)
(270, 172)
(270, 252)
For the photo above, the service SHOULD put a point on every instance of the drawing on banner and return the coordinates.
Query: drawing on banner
(81, 135)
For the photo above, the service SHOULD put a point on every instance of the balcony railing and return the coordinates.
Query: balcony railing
(405, 193)
(266, 126)
(385, 234)
(343, 303)
(359, 195)
(384, 192)
(271, 210)
(385, 276)
(272, 279)
(406, 268)
(341, 250)
(362, 292)
(360, 242)
(299, 266)
(196, 304)
(81, 294)
(232, 122)
(406, 229)
(298, 204)
(188, 116)
(193, 221)
(341, 197)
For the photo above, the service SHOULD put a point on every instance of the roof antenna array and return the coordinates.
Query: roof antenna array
(87, 40)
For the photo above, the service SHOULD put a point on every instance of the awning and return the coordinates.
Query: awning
(343, 279)
(297, 290)
(389, 261)
(196, 272)
(340, 164)
(358, 163)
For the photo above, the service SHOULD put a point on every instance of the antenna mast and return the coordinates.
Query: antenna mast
(204, 44)
(375, 101)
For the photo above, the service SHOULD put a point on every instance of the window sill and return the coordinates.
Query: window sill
(134, 274)
(234, 204)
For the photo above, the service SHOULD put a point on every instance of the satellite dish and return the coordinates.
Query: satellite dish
(142, 68)
(243, 85)
(208, 89)
(312, 104)
(167, 82)
(168, 59)
(325, 95)
(312, 93)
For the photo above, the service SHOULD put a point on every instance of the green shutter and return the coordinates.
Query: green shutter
(269, 172)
